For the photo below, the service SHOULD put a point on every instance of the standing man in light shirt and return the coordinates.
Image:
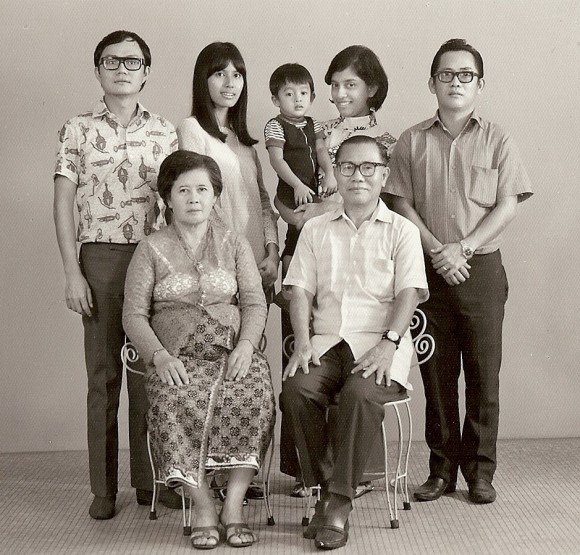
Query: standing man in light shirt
(107, 165)
(459, 178)
(357, 276)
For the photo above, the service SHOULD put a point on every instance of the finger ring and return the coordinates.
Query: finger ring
(444, 268)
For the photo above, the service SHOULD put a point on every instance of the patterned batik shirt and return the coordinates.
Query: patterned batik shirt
(115, 169)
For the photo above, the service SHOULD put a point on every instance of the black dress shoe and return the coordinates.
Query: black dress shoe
(316, 521)
(255, 491)
(433, 489)
(167, 497)
(481, 491)
(102, 508)
(331, 537)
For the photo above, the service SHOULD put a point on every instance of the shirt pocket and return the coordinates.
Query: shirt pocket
(379, 278)
(483, 186)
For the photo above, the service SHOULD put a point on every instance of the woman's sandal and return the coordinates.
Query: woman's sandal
(239, 528)
(204, 532)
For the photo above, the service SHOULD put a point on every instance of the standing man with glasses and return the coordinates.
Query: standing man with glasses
(357, 276)
(107, 165)
(459, 178)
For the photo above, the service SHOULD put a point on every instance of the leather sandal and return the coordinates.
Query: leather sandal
(237, 529)
(204, 532)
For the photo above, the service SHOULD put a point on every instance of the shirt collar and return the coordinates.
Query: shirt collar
(381, 213)
(436, 120)
(101, 110)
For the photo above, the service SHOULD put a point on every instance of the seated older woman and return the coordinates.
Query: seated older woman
(195, 310)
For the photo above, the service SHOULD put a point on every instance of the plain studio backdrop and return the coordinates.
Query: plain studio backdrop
(531, 54)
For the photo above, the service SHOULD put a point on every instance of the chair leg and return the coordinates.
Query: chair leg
(266, 482)
(406, 498)
(186, 512)
(153, 511)
(398, 475)
(400, 481)
(392, 513)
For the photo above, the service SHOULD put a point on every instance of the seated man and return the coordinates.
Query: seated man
(357, 276)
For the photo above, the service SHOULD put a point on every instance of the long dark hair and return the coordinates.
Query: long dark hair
(214, 57)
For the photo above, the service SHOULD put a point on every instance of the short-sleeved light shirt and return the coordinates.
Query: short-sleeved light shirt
(115, 170)
(355, 276)
(454, 183)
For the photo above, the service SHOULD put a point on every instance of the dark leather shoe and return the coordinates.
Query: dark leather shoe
(255, 491)
(433, 489)
(481, 491)
(170, 499)
(144, 496)
(331, 537)
(102, 508)
(167, 497)
(316, 521)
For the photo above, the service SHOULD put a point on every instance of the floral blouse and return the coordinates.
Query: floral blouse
(221, 276)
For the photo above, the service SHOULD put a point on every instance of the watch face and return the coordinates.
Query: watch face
(393, 336)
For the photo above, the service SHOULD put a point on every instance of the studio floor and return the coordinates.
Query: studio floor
(45, 498)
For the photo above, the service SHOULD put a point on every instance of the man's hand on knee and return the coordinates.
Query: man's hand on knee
(300, 358)
(377, 361)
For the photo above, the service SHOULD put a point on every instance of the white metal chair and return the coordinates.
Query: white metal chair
(129, 355)
(424, 347)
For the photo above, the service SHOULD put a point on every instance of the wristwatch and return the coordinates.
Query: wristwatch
(392, 336)
(467, 250)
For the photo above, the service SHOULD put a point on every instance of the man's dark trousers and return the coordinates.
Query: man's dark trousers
(304, 401)
(466, 322)
(104, 266)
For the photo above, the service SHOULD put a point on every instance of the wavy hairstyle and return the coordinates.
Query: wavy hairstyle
(183, 161)
(367, 66)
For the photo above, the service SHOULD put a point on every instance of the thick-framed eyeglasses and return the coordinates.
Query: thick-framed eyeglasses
(463, 76)
(130, 63)
(367, 169)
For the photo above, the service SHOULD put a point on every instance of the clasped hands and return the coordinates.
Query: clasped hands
(172, 371)
(377, 360)
(449, 262)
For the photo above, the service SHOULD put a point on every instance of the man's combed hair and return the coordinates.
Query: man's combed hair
(364, 140)
(457, 45)
(121, 36)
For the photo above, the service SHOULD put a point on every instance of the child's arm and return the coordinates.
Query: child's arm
(302, 193)
(329, 185)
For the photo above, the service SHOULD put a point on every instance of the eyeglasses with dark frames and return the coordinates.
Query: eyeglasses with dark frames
(463, 76)
(131, 63)
(367, 169)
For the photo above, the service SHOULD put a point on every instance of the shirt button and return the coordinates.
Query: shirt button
(452, 216)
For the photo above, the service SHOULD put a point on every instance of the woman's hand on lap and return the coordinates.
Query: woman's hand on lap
(170, 369)
(239, 360)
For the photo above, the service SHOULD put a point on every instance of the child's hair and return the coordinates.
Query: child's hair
(290, 73)
(214, 57)
(367, 66)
